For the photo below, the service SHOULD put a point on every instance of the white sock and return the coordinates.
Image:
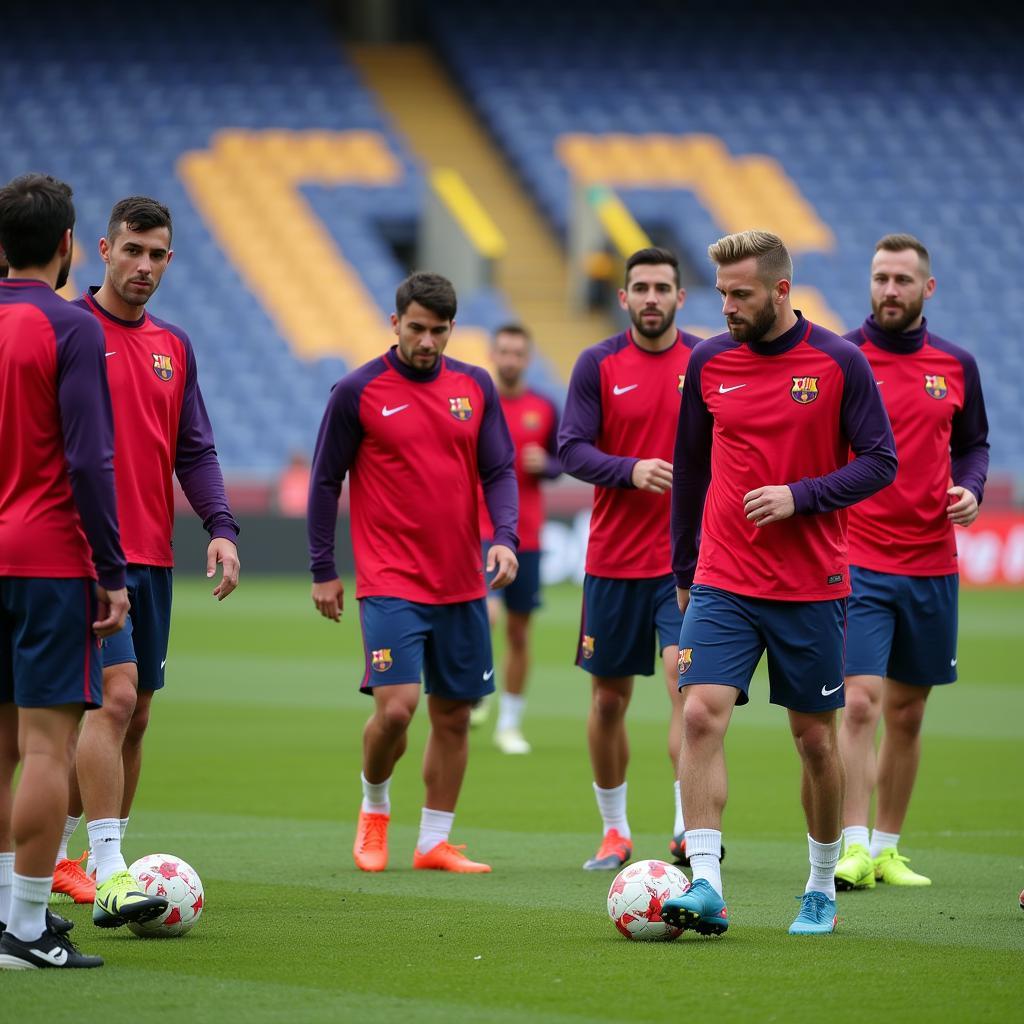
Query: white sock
(882, 841)
(856, 834)
(122, 825)
(704, 848)
(823, 858)
(105, 840)
(612, 805)
(510, 711)
(6, 878)
(376, 798)
(680, 825)
(70, 824)
(435, 828)
(29, 897)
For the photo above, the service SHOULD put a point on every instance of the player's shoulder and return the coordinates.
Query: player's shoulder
(165, 326)
(539, 398)
(602, 350)
(950, 348)
(353, 382)
(708, 348)
(688, 340)
(67, 319)
(842, 350)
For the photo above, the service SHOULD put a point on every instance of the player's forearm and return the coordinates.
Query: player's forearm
(321, 520)
(970, 469)
(203, 485)
(586, 462)
(857, 480)
(502, 498)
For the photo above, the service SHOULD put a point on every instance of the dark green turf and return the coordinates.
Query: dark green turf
(252, 775)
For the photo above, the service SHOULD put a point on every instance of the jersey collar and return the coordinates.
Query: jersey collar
(891, 341)
(784, 342)
(391, 357)
(90, 297)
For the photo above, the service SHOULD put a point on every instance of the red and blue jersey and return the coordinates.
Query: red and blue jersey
(58, 510)
(786, 411)
(162, 428)
(622, 406)
(531, 419)
(417, 447)
(932, 392)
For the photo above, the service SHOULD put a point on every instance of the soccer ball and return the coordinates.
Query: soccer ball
(163, 874)
(636, 897)
(1020, 899)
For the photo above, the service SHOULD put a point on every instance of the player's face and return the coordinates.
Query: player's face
(422, 336)
(510, 354)
(750, 307)
(136, 261)
(651, 297)
(899, 288)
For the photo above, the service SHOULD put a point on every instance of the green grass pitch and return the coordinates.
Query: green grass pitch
(252, 775)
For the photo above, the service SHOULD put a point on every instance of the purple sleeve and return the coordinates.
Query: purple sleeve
(691, 475)
(87, 423)
(553, 466)
(496, 459)
(969, 437)
(865, 423)
(336, 447)
(581, 425)
(195, 460)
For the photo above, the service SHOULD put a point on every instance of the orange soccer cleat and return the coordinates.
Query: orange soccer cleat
(370, 850)
(445, 857)
(70, 880)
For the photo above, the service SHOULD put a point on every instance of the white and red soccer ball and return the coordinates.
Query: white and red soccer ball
(637, 895)
(163, 874)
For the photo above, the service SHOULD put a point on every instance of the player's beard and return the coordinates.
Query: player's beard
(509, 377)
(910, 312)
(764, 320)
(64, 272)
(651, 331)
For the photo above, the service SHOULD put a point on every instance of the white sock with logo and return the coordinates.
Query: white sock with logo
(856, 834)
(376, 796)
(823, 858)
(510, 711)
(122, 824)
(435, 828)
(105, 840)
(680, 826)
(882, 841)
(612, 805)
(6, 879)
(29, 896)
(704, 848)
(70, 824)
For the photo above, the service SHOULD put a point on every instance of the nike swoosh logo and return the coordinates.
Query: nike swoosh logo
(162, 663)
(723, 390)
(487, 675)
(385, 411)
(621, 391)
(109, 354)
(952, 662)
(57, 957)
(828, 693)
(879, 382)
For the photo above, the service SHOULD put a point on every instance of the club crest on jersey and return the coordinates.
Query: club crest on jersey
(935, 385)
(531, 419)
(804, 390)
(587, 646)
(685, 660)
(162, 366)
(381, 660)
(460, 408)
(682, 377)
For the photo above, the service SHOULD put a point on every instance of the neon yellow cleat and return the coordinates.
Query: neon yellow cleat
(893, 869)
(856, 869)
(120, 900)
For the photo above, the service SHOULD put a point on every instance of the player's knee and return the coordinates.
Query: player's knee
(138, 725)
(395, 716)
(610, 705)
(119, 700)
(817, 744)
(862, 708)
(700, 720)
(906, 719)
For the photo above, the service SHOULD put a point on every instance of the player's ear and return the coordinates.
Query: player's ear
(622, 299)
(680, 298)
(929, 288)
(783, 289)
(170, 256)
(104, 249)
(394, 323)
(65, 244)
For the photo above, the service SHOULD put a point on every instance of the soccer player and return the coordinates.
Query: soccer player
(419, 433)
(58, 536)
(762, 474)
(901, 638)
(161, 429)
(533, 423)
(617, 433)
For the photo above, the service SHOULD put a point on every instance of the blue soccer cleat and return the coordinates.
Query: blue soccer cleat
(817, 915)
(699, 908)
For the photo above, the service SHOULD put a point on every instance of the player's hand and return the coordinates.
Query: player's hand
(535, 459)
(329, 598)
(766, 505)
(654, 475)
(113, 610)
(504, 560)
(963, 506)
(222, 551)
(682, 598)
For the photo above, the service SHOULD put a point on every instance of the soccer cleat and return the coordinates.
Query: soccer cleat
(511, 741)
(614, 851)
(70, 880)
(49, 950)
(699, 908)
(817, 915)
(445, 857)
(370, 850)
(54, 923)
(893, 869)
(856, 869)
(677, 847)
(479, 713)
(120, 900)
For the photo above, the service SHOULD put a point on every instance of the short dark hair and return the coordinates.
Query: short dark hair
(653, 256)
(433, 291)
(511, 328)
(900, 243)
(138, 213)
(35, 211)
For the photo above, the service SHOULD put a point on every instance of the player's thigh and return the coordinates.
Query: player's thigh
(54, 655)
(458, 662)
(394, 638)
(805, 641)
(720, 641)
(151, 623)
(617, 627)
(872, 609)
(925, 644)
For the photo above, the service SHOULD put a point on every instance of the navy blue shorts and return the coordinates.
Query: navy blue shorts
(49, 654)
(725, 634)
(447, 645)
(903, 627)
(523, 593)
(148, 626)
(623, 622)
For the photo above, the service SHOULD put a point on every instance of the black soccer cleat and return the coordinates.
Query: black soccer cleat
(54, 922)
(49, 950)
